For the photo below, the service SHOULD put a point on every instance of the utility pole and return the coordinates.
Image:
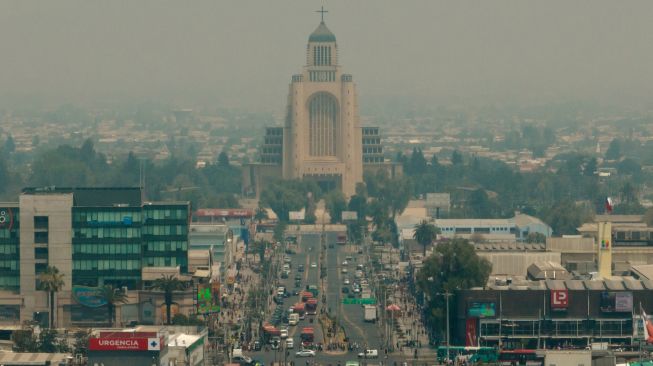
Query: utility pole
(447, 294)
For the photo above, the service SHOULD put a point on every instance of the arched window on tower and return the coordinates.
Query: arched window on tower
(323, 124)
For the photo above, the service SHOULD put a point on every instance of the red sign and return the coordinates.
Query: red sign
(471, 339)
(559, 299)
(218, 212)
(117, 344)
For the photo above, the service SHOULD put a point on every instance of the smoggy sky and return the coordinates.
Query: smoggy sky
(243, 53)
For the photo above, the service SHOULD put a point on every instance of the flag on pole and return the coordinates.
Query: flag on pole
(648, 328)
(608, 205)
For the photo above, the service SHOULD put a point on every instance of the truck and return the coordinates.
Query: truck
(370, 313)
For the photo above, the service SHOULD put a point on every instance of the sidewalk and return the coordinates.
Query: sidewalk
(409, 327)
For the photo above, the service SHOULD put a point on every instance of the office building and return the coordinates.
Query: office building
(94, 237)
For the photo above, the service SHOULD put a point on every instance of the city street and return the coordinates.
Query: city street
(349, 316)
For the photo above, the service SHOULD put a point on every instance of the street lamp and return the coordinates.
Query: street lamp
(447, 295)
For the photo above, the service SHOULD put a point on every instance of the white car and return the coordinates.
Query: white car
(313, 265)
(344, 270)
(346, 281)
(290, 344)
(369, 353)
(345, 263)
(283, 333)
(305, 353)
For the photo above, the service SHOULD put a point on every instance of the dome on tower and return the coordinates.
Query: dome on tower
(322, 34)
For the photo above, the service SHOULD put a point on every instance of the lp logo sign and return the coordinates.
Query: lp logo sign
(559, 299)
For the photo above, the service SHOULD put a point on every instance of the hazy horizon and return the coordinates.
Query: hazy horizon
(243, 53)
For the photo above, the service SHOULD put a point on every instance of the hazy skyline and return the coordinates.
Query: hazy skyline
(243, 53)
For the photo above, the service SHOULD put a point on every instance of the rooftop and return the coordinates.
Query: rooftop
(322, 34)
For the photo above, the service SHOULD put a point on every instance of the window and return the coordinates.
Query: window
(41, 253)
(40, 222)
(41, 237)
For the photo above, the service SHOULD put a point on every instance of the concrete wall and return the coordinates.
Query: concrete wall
(516, 263)
(58, 209)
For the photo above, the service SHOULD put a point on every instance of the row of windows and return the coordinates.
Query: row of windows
(372, 141)
(108, 232)
(166, 246)
(478, 229)
(322, 76)
(165, 230)
(372, 150)
(9, 265)
(101, 265)
(274, 131)
(106, 249)
(8, 249)
(6, 234)
(368, 131)
(270, 159)
(271, 150)
(165, 262)
(106, 216)
(163, 214)
(373, 159)
(6, 281)
(322, 55)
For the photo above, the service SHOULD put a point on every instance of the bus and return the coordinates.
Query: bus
(472, 354)
(311, 306)
(519, 357)
(307, 336)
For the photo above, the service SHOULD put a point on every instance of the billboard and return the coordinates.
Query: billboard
(296, 215)
(219, 212)
(617, 302)
(124, 344)
(349, 215)
(482, 309)
(89, 296)
(208, 298)
(559, 299)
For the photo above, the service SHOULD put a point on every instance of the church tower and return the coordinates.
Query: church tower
(322, 134)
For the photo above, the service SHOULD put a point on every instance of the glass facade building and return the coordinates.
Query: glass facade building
(9, 248)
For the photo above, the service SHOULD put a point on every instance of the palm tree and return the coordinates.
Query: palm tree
(51, 281)
(260, 214)
(169, 284)
(425, 233)
(112, 296)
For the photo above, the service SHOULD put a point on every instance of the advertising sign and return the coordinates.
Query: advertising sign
(6, 218)
(482, 310)
(88, 296)
(623, 302)
(617, 302)
(559, 299)
(349, 215)
(120, 344)
(208, 298)
(296, 215)
(471, 333)
(218, 212)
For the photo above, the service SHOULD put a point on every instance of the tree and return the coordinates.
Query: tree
(223, 159)
(51, 281)
(536, 238)
(335, 203)
(614, 150)
(169, 285)
(425, 233)
(456, 158)
(10, 145)
(80, 344)
(260, 214)
(112, 296)
(453, 266)
(49, 342)
(24, 340)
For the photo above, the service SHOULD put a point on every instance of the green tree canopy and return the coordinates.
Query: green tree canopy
(425, 233)
(169, 285)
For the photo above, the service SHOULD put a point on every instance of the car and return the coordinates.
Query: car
(313, 265)
(242, 360)
(369, 353)
(344, 270)
(300, 268)
(298, 283)
(346, 281)
(357, 290)
(285, 274)
(290, 344)
(283, 332)
(345, 290)
(298, 277)
(345, 263)
(305, 353)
